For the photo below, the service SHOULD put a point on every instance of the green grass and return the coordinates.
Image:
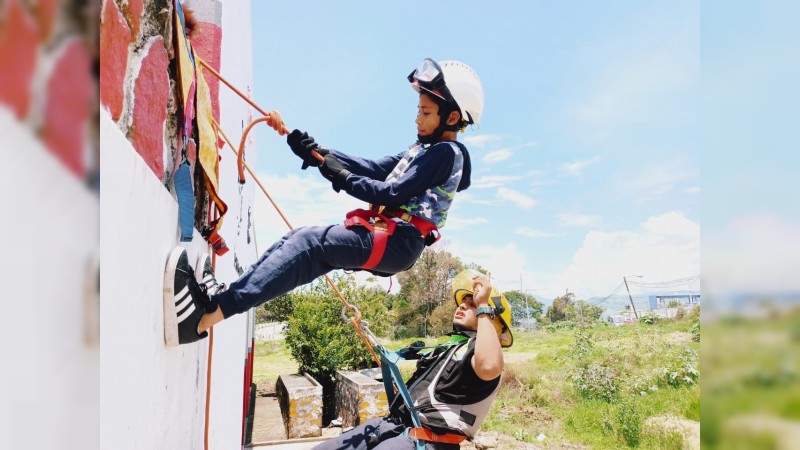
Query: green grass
(538, 395)
(271, 359)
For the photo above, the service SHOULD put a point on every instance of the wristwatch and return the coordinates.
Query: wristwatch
(485, 310)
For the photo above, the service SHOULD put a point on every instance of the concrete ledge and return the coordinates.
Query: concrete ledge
(359, 398)
(300, 398)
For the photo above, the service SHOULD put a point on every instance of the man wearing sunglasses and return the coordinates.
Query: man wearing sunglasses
(409, 195)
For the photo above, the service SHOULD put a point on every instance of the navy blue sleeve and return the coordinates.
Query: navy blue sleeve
(428, 170)
(378, 169)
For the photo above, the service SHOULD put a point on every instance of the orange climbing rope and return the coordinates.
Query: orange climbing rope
(273, 119)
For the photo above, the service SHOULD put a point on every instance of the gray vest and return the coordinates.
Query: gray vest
(433, 204)
(462, 419)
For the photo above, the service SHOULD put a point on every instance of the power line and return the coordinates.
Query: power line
(609, 295)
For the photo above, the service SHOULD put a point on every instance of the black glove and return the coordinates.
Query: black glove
(333, 170)
(412, 351)
(302, 144)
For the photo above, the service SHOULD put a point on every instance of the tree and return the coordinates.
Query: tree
(558, 310)
(425, 286)
(518, 301)
(278, 309)
(582, 310)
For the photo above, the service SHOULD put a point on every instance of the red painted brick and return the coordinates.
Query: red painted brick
(135, 8)
(191, 152)
(207, 43)
(46, 12)
(114, 39)
(151, 94)
(19, 39)
(68, 106)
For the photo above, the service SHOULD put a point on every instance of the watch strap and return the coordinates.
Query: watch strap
(485, 310)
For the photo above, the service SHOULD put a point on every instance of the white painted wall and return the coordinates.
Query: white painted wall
(153, 397)
(49, 227)
(227, 394)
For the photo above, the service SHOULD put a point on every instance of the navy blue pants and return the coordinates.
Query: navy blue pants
(306, 253)
(378, 434)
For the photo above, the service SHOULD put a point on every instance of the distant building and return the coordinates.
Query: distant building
(674, 300)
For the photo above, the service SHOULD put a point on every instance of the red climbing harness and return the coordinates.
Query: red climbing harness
(382, 226)
(424, 227)
(425, 434)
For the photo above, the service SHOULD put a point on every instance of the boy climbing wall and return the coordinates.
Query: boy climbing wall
(410, 194)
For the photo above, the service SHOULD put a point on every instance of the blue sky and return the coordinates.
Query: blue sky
(586, 164)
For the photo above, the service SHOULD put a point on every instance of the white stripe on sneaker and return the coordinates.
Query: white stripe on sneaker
(182, 296)
(186, 313)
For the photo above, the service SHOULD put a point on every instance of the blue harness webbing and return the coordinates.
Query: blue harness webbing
(391, 376)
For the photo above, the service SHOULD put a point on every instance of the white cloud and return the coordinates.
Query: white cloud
(753, 254)
(665, 247)
(578, 220)
(515, 197)
(468, 198)
(653, 181)
(462, 223)
(497, 156)
(529, 232)
(305, 199)
(576, 168)
(491, 181)
(480, 140)
(692, 190)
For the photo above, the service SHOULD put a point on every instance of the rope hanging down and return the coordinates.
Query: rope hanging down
(273, 119)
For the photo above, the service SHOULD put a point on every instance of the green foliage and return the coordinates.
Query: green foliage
(278, 309)
(441, 320)
(694, 313)
(681, 369)
(680, 314)
(583, 311)
(518, 301)
(319, 340)
(649, 318)
(695, 330)
(629, 422)
(567, 307)
(597, 381)
(558, 310)
(425, 286)
(561, 325)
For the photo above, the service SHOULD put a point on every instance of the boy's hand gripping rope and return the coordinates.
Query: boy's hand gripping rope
(273, 119)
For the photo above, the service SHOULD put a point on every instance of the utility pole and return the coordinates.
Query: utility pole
(629, 296)
(527, 311)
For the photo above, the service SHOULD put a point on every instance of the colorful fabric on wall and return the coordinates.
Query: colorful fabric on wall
(208, 154)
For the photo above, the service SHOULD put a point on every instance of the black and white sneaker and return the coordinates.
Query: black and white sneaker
(206, 276)
(185, 301)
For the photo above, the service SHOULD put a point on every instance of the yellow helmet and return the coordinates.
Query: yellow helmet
(462, 286)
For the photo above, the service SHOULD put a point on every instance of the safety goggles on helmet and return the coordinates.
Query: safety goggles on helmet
(429, 76)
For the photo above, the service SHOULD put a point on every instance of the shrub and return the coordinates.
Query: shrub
(560, 325)
(629, 422)
(648, 318)
(695, 330)
(680, 314)
(319, 340)
(694, 313)
(682, 370)
(597, 381)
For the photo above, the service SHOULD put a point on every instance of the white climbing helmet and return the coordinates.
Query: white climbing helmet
(452, 81)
